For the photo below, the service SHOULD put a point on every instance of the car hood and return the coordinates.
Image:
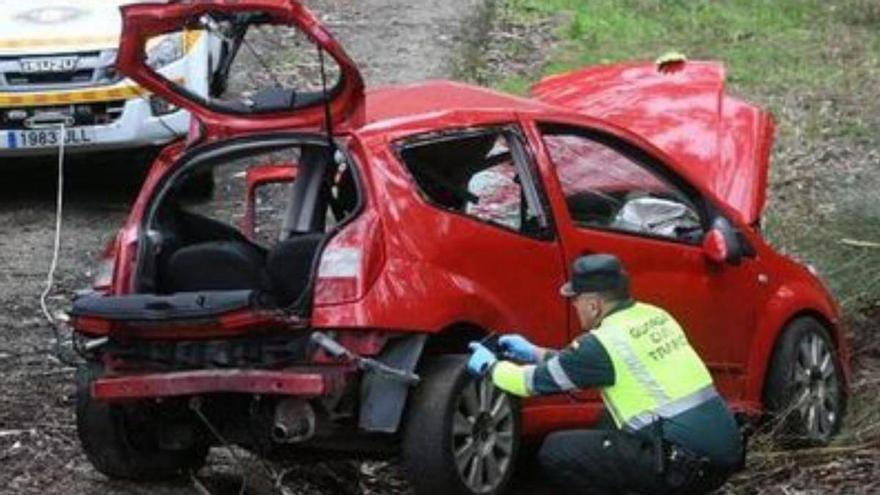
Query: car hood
(721, 142)
(45, 27)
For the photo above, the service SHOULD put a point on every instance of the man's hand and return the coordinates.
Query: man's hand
(481, 360)
(518, 348)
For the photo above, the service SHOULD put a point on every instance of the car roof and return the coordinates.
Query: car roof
(390, 105)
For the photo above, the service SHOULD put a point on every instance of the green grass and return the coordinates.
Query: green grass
(852, 272)
(777, 43)
(814, 63)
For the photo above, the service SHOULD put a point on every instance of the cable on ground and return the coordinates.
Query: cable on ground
(56, 250)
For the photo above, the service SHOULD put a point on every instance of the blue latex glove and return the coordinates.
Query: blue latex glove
(481, 359)
(518, 348)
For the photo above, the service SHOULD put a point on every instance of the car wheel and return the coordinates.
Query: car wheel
(120, 445)
(804, 392)
(462, 435)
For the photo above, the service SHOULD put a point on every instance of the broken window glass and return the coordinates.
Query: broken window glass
(475, 174)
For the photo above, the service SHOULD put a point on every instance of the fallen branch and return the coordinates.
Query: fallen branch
(859, 243)
(15, 433)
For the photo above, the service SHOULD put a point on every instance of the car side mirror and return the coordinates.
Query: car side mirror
(721, 244)
(255, 178)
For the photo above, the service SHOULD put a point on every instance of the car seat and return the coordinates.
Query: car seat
(289, 266)
(215, 266)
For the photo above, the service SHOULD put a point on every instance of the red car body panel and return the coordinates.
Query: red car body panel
(685, 112)
(453, 286)
(256, 177)
(397, 109)
(287, 382)
(441, 271)
(233, 324)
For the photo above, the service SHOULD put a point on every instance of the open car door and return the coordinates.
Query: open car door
(274, 66)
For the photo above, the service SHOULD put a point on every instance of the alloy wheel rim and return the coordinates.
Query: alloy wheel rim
(483, 436)
(817, 388)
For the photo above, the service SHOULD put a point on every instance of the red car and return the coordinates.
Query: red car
(357, 240)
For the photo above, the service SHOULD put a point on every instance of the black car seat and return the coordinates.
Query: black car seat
(289, 266)
(215, 265)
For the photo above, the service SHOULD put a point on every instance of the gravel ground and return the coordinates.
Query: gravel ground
(393, 40)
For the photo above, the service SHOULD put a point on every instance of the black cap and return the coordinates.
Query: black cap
(595, 273)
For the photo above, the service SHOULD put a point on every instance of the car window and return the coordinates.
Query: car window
(254, 63)
(276, 67)
(219, 195)
(475, 174)
(609, 189)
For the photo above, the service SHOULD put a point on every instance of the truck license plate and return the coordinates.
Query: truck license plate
(47, 138)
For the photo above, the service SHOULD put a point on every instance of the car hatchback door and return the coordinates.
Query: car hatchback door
(274, 66)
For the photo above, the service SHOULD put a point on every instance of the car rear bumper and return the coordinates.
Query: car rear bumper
(303, 382)
(135, 127)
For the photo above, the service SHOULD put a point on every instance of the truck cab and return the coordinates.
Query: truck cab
(59, 81)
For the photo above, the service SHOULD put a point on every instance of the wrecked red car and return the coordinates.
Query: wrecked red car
(321, 298)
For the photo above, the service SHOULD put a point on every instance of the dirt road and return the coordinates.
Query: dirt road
(393, 40)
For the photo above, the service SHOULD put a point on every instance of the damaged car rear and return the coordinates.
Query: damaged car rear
(210, 299)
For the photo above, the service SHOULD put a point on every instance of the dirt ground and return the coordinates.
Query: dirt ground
(393, 40)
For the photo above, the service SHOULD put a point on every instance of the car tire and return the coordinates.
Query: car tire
(461, 435)
(804, 390)
(120, 449)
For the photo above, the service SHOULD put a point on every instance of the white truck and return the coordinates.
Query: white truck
(57, 68)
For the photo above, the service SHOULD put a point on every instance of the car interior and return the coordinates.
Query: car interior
(198, 245)
(474, 174)
(606, 187)
(638, 212)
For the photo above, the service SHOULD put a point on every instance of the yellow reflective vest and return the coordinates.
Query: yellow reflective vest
(657, 372)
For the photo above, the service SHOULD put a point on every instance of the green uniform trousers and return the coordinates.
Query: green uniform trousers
(586, 462)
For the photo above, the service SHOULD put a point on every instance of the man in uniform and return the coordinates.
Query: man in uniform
(674, 433)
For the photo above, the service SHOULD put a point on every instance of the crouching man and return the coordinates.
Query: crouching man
(674, 434)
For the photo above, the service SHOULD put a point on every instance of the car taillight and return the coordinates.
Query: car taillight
(104, 275)
(350, 262)
(103, 279)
